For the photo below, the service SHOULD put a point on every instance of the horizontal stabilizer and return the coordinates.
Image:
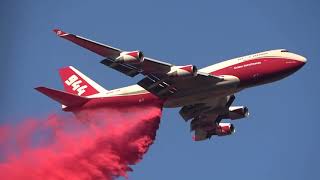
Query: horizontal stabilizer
(62, 97)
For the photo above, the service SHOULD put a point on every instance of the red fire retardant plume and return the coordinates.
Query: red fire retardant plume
(102, 145)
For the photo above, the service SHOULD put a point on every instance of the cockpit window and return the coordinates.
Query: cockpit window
(284, 50)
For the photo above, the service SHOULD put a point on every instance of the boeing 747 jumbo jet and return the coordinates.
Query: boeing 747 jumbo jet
(204, 95)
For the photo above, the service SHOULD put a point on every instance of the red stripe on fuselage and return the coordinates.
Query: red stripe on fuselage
(260, 71)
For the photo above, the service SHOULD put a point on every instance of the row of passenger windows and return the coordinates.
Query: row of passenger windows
(256, 55)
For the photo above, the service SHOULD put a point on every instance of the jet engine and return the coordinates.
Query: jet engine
(224, 129)
(183, 71)
(237, 112)
(132, 57)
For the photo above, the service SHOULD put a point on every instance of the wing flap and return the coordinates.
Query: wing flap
(123, 68)
(157, 86)
(192, 111)
(200, 135)
(154, 66)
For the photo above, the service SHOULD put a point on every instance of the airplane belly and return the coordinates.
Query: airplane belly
(205, 93)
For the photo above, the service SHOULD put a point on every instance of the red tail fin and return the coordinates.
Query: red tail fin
(77, 83)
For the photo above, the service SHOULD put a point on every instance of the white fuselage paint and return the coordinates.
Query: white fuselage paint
(212, 93)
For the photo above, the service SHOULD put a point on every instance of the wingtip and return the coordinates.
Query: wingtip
(59, 32)
(40, 88)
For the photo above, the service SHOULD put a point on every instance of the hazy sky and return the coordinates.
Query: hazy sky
(280, 140)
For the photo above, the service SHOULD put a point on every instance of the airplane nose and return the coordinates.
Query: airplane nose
(294, 62)
(302, 59)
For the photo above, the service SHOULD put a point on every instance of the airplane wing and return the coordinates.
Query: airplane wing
(204, 126)
(157, 79)
(207, 117)
(110, 53)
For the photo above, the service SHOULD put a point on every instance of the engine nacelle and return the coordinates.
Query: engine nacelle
(183, 71)
(238, 112)
(132, 57)
(224, 129)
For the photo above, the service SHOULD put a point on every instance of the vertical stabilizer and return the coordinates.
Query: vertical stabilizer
(75, 82)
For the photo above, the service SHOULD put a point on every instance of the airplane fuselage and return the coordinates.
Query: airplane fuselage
(239, 73)
(244, 72)
(260, 68)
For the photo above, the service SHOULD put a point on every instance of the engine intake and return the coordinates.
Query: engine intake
(238, 112)
(183, 71)
(224, 129)
(132, 57)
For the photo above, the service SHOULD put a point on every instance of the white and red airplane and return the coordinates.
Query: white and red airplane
(205, 95)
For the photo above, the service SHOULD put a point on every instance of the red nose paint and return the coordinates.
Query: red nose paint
(102, 145)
